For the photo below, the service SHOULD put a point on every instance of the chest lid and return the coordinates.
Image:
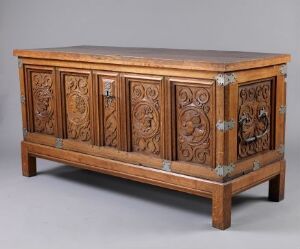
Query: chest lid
(210, 60)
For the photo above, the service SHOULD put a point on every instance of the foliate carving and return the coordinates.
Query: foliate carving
(254, 118)
(43, 102)
(145, 117)
(110, 115)
(78, 109)
(193, 107)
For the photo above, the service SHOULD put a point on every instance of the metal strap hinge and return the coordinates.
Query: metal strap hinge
(224, 79)
(282, 109)
(224, 170)
(166, 165)
(59, 143)
(25, 132)
(256, 165)
(281, 149)
(225, 125)
(283, 70)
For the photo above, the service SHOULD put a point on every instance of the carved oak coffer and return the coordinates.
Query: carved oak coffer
(209, 123)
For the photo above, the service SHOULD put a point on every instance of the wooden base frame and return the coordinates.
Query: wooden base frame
(220, 193)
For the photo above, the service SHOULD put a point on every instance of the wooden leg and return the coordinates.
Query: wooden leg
(277, 184)
(221, 206)
(28, 162)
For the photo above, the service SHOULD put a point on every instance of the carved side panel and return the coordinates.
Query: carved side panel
(42, 92)
(78, 105)
(145, 104)
(254, 117)
(109, 121)
(194, 118)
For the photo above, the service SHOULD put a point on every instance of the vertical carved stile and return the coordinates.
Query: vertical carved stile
(107, 115)
(110, 122)
(110, 113)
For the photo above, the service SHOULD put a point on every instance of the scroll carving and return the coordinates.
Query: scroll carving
(254, 131)
(78, 108)
(193, 108)
(43, 102)
(145, 117)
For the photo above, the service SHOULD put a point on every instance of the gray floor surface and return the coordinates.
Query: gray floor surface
(65, 207)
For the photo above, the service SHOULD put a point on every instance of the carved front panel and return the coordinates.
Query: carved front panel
(145, 112)
(194, 117)
(108, 105)
(78, 93)
(42, 91)
(254, 118)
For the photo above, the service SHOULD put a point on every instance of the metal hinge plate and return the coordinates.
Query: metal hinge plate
(25, 132)
(282, 109)
(225, 125)
(22, 99)
(281, 149)
(224, 79)
(256, 165)
(59, 143)
(283, 70)
(166, 165)
(224, 170)
(20, 63)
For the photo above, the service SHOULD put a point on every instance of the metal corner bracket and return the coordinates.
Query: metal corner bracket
(20, 63)
(256, 165)
(224, 79)
(282, 109)
(224, 170)
(166, 165)
(59, 143)
(280, 149)
(22, 99)
(283, 70)
(225, 125)
(25, 132)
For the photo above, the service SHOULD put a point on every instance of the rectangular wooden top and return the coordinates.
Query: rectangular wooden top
(210, 60)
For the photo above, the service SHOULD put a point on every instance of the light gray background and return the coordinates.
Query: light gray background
(64, 207)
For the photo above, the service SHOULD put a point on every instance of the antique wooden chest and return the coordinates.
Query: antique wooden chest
(209, 123)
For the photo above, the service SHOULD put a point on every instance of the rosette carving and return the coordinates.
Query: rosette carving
(193, 124)
(77, 107)
(145, 117)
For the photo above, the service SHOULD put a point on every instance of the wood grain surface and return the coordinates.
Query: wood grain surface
(159, 57)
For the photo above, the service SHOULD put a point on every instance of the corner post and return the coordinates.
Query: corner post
(28, 162)
(221, 206)
(277, 184)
